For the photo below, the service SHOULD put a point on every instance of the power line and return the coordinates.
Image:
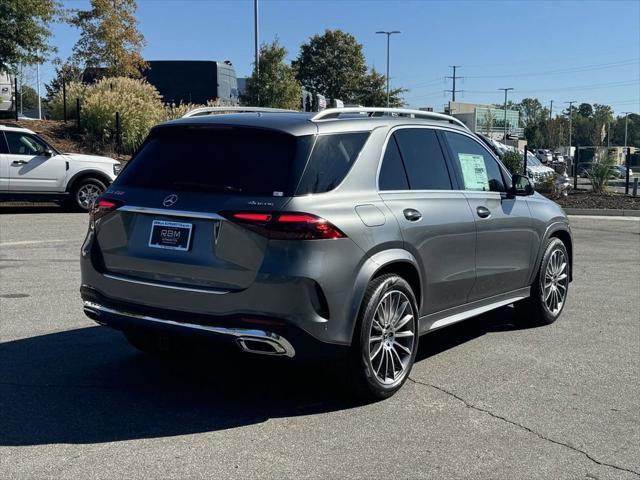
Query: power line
(563, 71)
(593, 86)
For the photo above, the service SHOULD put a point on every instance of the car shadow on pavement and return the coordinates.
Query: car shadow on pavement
(11, 208)
(89, 386)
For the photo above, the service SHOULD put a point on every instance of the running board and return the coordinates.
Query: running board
(441, 319)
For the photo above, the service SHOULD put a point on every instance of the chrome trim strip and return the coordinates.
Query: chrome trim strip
(163, 285)
(474, 311)
(170, 213)
(239, 333)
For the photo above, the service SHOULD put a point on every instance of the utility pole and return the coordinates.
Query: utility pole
(388, 34)
(255, 36)
(506, 90)
(550, 109)
(454, 78)
(570, 131)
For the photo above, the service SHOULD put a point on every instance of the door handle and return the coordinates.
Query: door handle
(412, 214)
(483, 212)
(19, 162)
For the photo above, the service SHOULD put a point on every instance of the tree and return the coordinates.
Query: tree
(489, 121)
(109, 38)
(602, 117)
(25, 31)
(275, 85)
(29, 98)
(633, 131)
(585, 110)
(372, 91)
(531, 111)
(68, 72)
(333, 65)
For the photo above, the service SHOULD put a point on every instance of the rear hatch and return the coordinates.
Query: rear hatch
(169, 219)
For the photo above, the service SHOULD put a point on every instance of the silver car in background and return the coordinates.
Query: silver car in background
(348, 232)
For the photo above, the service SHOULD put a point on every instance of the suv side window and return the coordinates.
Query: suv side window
(478, 169)
(24, 144)
(392, 173)
(331, 159)
(423, 159)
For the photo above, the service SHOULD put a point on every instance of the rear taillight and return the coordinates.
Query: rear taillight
(286, 226)
(100, 208)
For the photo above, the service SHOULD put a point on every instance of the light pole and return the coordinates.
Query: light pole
(626, 127)
(388, 34)
(255, 36)
(570, 131)
(506, 90)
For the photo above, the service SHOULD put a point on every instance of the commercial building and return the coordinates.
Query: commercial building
(187, 81)
(489, 120)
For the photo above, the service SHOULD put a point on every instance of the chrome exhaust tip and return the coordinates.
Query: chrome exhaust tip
(265, 346)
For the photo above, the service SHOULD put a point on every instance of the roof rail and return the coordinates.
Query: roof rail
(197, 112)
(330, 113)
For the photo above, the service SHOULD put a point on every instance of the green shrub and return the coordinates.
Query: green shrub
(513, 161)
(600, 173)
(173, 111)
(138, 103)
(547, 185)
(75, 90)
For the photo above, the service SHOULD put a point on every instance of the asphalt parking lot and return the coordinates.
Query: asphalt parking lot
(487, 398)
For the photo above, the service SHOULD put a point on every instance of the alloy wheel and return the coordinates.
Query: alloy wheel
(87, 194)
(391, 337)
(556, 281)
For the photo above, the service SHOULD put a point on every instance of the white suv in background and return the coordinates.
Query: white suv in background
(32, 170)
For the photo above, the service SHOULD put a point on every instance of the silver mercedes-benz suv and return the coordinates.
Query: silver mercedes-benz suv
(350, 231)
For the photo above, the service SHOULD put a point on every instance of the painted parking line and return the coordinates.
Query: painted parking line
(35, 242)
(605, 217)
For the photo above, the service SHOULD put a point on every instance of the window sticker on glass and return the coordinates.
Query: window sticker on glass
(474, 172)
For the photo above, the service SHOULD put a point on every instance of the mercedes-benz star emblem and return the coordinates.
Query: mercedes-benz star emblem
(170, 200)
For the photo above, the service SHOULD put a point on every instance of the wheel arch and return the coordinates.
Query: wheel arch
(398, 261)
(561, 231)
(84, 174)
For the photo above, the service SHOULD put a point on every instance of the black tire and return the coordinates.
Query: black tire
(535, 309)
(79, 202)
(364, 378)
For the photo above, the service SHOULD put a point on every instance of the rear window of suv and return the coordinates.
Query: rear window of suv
(242, 161)
(230, 160)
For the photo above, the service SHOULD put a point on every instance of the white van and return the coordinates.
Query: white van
(6, 91)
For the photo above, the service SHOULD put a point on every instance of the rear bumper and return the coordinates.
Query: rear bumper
(312, 288)
(254, 334)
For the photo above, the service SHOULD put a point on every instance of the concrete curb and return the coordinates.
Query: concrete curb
(602, 212)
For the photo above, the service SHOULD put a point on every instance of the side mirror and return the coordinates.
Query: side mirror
(48, 153)
(521, 186)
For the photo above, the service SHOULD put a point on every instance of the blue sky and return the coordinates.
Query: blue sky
(554, 50)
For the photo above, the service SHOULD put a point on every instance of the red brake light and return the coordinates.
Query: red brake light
(100, 208)
(287, 226)
(253, 217)
(297, 218)
(103, 203)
